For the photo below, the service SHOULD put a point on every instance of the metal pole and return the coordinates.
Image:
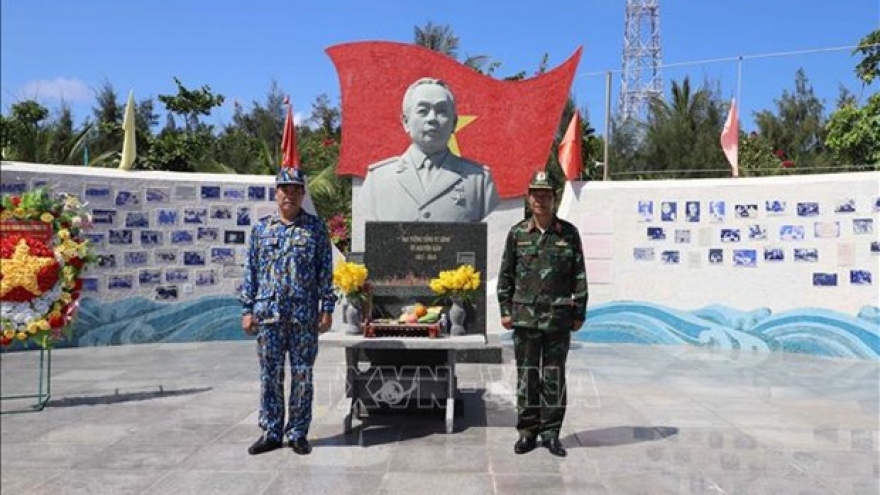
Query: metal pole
(605, 173)
(739, 78)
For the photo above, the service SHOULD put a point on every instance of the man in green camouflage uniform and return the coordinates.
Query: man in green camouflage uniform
(542, 292)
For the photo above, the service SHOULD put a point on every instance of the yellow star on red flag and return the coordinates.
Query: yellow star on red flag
(463, 121)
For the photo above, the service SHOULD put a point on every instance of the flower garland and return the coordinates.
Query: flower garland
(42, 255)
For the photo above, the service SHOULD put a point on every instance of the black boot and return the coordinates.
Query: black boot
(262, 445)
(300, 446)
(555, 447)
(525, 444)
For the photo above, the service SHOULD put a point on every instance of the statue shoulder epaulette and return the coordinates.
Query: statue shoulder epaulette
(387, 161)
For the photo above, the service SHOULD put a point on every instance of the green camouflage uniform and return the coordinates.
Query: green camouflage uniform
(542, 285)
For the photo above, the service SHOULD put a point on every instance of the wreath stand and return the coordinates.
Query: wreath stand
(44, 385)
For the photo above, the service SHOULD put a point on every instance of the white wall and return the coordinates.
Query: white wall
(606, 214)
(607, 217)
(155, 191)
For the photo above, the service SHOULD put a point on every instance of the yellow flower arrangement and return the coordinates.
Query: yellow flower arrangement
(43, 250)
(350, 279)
(462, 283)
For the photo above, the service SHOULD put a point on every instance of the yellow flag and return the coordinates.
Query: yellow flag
(129, 145)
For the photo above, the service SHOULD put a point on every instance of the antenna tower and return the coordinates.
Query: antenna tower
(640, 78)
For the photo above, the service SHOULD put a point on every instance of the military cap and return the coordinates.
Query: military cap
(290, 176)
(541, 180)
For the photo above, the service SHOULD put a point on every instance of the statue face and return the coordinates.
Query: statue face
(431, 118)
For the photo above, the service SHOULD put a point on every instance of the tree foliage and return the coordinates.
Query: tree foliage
(853, 131)
(679, 139)
(798, 126)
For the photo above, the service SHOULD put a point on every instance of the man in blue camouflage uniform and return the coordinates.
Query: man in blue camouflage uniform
(287, 300)
(542, 293)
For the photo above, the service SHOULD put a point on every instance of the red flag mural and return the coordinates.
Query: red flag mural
(506, 125)
(290, 156)
(570, 157)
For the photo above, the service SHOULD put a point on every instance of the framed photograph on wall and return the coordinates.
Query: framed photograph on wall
(643, 254)
(824, 279)
(745, 257)
(645, 210)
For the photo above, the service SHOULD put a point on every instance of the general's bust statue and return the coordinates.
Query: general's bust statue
(428, 183)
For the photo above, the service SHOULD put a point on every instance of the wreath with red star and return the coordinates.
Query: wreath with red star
(43, 252)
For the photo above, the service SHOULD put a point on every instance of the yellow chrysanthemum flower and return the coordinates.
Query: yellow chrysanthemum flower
(349, 278)
(462, 282)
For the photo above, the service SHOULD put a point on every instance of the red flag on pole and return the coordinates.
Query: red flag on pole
(290, 156)
(730, 138)
(507, 126)
(570, 156)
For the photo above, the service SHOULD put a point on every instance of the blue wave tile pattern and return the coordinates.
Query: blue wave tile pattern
(805, 330)
(138, 321)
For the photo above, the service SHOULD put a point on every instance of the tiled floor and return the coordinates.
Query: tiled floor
(178, 418)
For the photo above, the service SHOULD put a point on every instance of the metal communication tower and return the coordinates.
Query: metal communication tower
(640, 79)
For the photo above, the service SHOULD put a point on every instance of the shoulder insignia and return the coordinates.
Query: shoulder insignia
(387, 161)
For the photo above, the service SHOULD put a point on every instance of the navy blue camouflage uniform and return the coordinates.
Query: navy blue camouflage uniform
(542, 286)
(288, 281)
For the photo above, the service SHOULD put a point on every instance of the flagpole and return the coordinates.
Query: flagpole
(739, 73)
(605, 172)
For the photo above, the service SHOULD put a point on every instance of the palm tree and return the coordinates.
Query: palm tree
(438, 38)
(682, 134)
(441, 39)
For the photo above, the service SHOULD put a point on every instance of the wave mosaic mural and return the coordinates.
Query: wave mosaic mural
(798, 254)
(810, 330)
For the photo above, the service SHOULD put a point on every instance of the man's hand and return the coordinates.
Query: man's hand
(507, 322)
(325, 323)
(248, 324)
(577, 325)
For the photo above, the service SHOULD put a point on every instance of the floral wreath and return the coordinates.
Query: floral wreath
(43, 252)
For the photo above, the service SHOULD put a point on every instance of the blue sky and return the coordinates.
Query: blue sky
(58, 48)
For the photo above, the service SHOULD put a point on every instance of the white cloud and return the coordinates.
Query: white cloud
(60, 88)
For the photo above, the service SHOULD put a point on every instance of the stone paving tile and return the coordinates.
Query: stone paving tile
(99, 482)
(219, 482)
(437, 484)
(178, 418)
(540, 484)
(21, 480)
(334, 483)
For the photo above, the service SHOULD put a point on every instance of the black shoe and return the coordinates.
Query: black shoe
(525, 444)
(263, 445)
(300, 446)
(555, 447)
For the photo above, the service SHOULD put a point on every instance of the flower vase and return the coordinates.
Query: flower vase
(351, 318)
(457, 316)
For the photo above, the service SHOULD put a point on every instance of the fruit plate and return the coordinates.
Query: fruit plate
(391, 328)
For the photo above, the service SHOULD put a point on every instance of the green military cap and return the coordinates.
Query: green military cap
(541, 180)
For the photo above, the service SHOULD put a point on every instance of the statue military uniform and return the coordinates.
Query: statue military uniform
(452, 189)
